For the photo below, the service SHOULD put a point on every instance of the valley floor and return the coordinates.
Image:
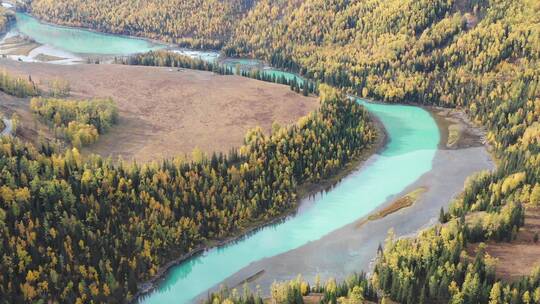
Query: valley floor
(353, 247)
(169, 112)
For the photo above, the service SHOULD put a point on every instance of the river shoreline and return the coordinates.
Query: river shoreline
(353, 247)
(65, 56)
(304, 191)
(123, 35)
(443, 117)
(472, 135)
(310, 190)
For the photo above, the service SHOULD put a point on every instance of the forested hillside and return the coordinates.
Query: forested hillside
(199, 23)
(77, 230)
(391, 50)
(482, 56)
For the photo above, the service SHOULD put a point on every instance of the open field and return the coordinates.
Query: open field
(168, 112)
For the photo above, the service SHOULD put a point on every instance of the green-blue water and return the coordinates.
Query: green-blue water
(288, 76)
(81, 41)
(413, 140)
(255, 64)
(413, 134)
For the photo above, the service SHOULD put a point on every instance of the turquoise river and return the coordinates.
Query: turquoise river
(80, 41)
(413, 137)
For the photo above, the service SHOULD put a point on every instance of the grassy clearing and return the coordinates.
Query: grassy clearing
(167, 114)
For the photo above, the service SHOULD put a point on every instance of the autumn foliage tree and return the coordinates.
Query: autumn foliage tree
(77, 230)
(79, 121)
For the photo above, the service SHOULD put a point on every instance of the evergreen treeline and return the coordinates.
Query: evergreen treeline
(17, 86)
(193, 23)
(354, 290)
(80, 121)
(175, 60)
(482, 56)
(83, 231)
(494, 73)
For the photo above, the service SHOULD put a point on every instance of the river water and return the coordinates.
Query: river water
(413, 137)
(80, 41)
(72, 44)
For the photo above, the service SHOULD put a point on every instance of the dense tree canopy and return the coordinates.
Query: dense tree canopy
(482, 56)
(422, 51)
(76, 231)
(195, 23)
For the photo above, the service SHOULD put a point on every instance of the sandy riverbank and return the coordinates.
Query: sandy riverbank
(306, 191)
(16, 46)
(353, 247)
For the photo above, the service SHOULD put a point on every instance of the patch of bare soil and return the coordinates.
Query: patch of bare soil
(517, 258)
(168, 112)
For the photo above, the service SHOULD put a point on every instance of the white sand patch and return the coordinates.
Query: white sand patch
(209, 56)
